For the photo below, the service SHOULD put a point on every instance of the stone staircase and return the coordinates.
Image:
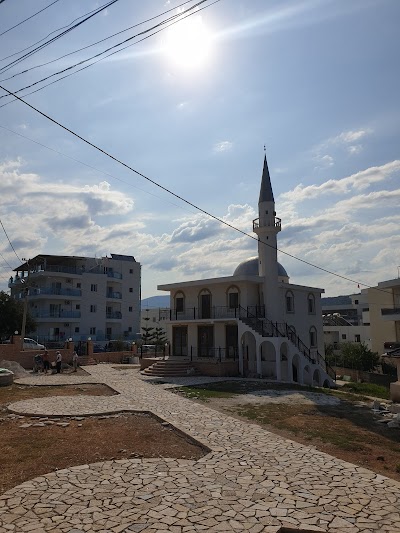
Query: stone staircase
(171, 368)
(85, 360)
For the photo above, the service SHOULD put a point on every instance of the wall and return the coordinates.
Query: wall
(368, 377)
(381, 330)
(12, 352)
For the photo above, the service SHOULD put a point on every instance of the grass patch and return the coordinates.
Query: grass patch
(369, 389)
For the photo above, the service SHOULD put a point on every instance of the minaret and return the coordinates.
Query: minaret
(267, 226)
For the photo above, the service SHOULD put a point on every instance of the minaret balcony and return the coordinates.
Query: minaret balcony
(276, 224)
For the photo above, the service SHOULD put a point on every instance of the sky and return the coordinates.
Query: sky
(191, 107)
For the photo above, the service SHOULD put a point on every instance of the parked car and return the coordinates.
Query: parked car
(31, 344)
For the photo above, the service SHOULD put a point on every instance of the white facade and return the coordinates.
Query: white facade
(256, 316)
(81, 297)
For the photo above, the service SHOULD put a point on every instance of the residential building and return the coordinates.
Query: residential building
(272, 327)
(372, 317)
(81, 297)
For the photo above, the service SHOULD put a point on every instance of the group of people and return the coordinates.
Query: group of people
(42, 362)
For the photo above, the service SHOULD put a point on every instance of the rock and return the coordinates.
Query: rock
(39, 425)
(376, 406)
(62, 424)
(393, 424)
(25, 425)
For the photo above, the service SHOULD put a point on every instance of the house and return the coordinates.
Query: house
(73, 297)
(371, 317)
(270, 327)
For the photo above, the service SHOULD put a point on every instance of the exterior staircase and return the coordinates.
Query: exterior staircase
(85, 360)
(267, 328)
(171, 368)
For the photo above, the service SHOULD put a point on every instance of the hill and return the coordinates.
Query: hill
(155, 301)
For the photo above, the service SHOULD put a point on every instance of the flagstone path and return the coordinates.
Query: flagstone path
(251, 480)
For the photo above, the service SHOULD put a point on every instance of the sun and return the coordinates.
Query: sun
(188, 43)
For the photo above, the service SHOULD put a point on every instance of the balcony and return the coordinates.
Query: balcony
(391, 314)
(117, 295)
(50, 291)
(114, 315)
(215, 313)
(56, 314)
(256, 223)
(115, 275)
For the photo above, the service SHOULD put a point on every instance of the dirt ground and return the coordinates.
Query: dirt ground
(36, 450)
(344, 428)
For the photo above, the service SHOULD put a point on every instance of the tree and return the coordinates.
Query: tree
(358, 356)
(147, 331)
(11, 313)
(159, 336)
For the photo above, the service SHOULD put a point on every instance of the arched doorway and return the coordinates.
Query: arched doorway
(249, 353)
(296, 369)
(307, 375)
(316, 378)
(284, 362)
(268, 360)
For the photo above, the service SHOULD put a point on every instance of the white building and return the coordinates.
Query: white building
(80, 297)
(272, 327)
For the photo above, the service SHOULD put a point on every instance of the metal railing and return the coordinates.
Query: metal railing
(215, 312)
(394, 311)
(116, 295)
(114, 314)
(56, 314)
(209, 352)
(277, 223)
(52, 291)
(116, 275)
(267, 328)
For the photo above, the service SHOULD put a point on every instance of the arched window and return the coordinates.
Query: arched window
(205, 304)
(289, 298)
(233, 297)
(311, 304)
(179, 301)
(313, 337)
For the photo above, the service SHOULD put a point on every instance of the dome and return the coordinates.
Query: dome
(250, 268)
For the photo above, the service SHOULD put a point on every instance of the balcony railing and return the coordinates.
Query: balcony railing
(394, 311)
(277, 223)
(56, 314)
(116, 275)
(117, 295)
(38, 291)
(114, 314)
(215, 312)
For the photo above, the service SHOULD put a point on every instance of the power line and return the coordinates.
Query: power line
(8, 238)
(89, 45)
(175, 19)
(184, 199)
(55, 38)
(22, 21)
(96, 169)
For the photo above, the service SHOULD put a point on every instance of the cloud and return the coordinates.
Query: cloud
(350, 136)
(324, 160)
(358, 181)
(354, 149)
(223, 146)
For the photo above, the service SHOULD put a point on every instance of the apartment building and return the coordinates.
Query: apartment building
(81, 297)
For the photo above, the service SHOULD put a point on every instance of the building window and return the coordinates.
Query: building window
(233, 300)
(93, 308)
(92, 331)
(205, 304)
(130, 289)
(357, 338)
(289, 302)
(130, 309)
(179, 305)
(77, 306)
(93, 287)
(205, 341)
(313, 337)
(356, 302)
(179, 341)
(131, 271)
(77, 330)
(78, 285)
(311, 304)
(344, 336)
(130, 328)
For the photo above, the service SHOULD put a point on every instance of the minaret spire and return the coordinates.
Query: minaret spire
(266, 194)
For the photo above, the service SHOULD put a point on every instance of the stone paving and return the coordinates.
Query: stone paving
(251, 480)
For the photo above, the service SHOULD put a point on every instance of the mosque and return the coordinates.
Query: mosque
(270, 327)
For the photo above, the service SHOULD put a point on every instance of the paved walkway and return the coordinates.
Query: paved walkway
(251, 480)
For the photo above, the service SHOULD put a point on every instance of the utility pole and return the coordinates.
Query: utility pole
(25, 312)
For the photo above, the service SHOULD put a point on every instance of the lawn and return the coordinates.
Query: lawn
(348, 430)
